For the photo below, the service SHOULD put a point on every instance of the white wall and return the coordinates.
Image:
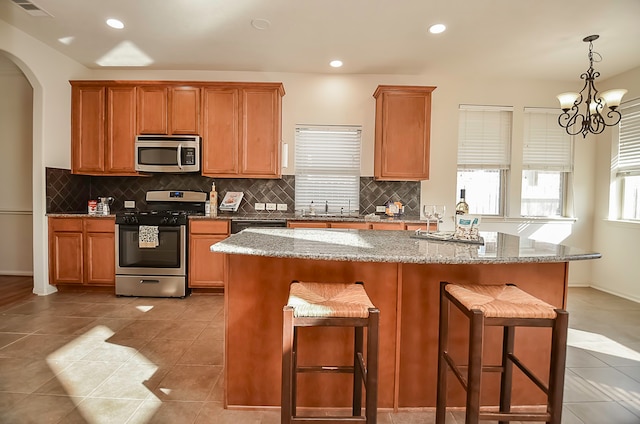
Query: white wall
(16, 224)
(618, 271)
(323, 99)
(48, 73)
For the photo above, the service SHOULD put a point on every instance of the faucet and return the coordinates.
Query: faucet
(326, 206)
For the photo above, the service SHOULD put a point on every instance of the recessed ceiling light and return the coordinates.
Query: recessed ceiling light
(335, 63)
(115, 23)
(437, 28)
(260, 23)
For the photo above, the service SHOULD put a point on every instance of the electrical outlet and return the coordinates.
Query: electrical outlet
(282, 206)
(129, 204)
(271, 206)
(258, 206)
(381, 209)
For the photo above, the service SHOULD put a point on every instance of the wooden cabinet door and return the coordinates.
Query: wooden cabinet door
(87, 129)
(206, 268)
(402, 135)
(261, 132)
(121, 130)
(185, 110)
(65, 251)
(153, 109)
(220, 132)
(100, 259)
(99, 251)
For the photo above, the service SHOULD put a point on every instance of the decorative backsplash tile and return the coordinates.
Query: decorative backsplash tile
(69, 193)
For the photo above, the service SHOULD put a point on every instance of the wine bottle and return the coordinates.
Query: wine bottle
(462, 208)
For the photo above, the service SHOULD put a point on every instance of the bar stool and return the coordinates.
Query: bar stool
(509, 307)
(334, 305)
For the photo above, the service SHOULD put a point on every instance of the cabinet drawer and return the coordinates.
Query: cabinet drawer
(65, 224)
(209, 227)
(387, 226)
(100, 225)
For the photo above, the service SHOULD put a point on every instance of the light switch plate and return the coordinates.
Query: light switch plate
(271, 206)
(129, 204)
(258, 206)
(282, 206)
(381, 209)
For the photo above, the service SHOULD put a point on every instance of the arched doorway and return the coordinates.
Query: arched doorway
(16, 170)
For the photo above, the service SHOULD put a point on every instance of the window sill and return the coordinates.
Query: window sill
(623, 223)
(528, 219)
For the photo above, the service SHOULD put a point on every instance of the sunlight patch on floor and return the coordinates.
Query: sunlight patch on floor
(602, 344)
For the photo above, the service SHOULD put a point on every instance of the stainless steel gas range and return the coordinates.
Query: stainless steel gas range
(151, 245)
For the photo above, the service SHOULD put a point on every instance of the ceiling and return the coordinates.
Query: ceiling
(498, 38)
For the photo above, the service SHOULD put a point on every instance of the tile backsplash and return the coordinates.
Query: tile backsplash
(69, 193)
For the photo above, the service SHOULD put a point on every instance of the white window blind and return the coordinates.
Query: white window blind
(629, 143)
(484, 137)
(547, 146)
(327, 161)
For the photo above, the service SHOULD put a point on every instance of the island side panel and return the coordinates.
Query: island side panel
(419, 330)
(257, 290)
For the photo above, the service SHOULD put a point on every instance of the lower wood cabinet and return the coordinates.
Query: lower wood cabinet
(206, 269)
(82, 251)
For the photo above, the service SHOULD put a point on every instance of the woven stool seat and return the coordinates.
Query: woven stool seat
(331, 305)
(508, 307)
(329, 300)
(501, 301)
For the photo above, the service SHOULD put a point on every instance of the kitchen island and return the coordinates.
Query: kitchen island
(401, 275)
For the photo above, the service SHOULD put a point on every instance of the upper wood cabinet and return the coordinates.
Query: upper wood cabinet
(168, 109)
(242, 130)
(103, 128)
(403, 127)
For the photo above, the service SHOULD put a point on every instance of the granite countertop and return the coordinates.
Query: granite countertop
(288, 216)
(393, 246)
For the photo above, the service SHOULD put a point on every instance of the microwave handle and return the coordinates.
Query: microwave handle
(180, 155)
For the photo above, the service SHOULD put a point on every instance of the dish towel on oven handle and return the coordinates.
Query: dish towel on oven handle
(148, 237)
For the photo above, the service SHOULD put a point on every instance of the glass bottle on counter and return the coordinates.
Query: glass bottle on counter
(462, 207)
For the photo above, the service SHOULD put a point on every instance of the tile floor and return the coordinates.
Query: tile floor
(94, 358)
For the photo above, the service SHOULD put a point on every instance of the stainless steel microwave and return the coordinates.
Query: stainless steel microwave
(168, 153)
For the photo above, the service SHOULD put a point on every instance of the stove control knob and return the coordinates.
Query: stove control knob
(130, 219)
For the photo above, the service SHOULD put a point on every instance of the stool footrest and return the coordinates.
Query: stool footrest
(327, 368)
(328, 420)
(514, 416)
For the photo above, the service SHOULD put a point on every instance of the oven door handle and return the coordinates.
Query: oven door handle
(179, 150)
(148, 281)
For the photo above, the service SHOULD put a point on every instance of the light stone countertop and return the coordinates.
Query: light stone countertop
(393, 246)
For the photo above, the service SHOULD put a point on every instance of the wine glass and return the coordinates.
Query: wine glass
(438, 213)
(429, 214)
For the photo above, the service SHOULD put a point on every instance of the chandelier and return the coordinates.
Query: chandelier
(592, 118)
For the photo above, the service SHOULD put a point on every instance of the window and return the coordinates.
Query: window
(628, 168)
(547, 163)
(484, 156)
(327, 163)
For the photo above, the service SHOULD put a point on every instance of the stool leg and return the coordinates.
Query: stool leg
(474, 376)
(357, 372)
(372, 367)
(294, 373)
(443, 335)
(508, 341)
(286, 401)
(558, 362)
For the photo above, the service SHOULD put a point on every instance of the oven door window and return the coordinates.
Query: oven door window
(166, 255)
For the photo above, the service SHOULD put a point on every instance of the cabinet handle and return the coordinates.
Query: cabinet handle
(143, 281)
